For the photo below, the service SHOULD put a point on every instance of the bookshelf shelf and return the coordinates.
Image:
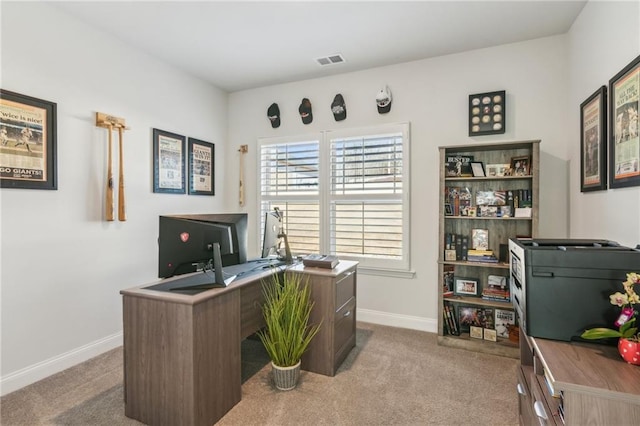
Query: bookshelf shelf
(458, 196)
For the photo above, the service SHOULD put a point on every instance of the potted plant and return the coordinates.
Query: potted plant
(627, 332)
(287, 333)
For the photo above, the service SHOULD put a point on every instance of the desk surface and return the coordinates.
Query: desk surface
(252, 272)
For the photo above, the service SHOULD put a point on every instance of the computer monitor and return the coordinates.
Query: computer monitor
(271, 238)
(186, 242)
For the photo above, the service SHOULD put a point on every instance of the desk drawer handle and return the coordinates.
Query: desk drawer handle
(345, 276)
(346, 314)
(539, 409)
(521, 390)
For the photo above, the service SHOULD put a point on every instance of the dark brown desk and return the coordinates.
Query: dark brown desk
(182, 352)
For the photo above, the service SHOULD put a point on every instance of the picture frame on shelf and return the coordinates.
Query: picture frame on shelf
(487, 113)
(201, 167)
(521, 165)
(168, 162)
(498, 170)
(624, 143)
(475, 332)
(489, 334)
(28, 133)
(448, 209)
(480, 239)
(458, 166)
(478, 169)
(465, 286)
(593, 142)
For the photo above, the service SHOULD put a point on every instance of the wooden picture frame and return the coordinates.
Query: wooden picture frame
(498, 170)
(624, 143)
(465, 286)
(521, 166)
(478, 168)
(593, 142)
(487, 113)
(201, 167)
(168, 162)
(28, 143)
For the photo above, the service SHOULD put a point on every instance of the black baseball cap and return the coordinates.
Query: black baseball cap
(273, 112)
(338, 108)
(305, 111)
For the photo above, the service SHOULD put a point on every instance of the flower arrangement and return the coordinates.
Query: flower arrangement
(626, 320)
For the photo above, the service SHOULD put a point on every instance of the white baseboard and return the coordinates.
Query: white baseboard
(39, 371)
(397, 320)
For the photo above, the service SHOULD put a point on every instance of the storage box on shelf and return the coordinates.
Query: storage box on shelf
(478, 215)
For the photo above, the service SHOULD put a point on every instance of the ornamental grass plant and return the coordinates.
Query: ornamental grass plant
(286, 311)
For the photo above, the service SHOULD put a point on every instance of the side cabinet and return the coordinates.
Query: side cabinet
(334, 294)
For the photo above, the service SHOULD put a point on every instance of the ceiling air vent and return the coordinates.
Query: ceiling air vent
(331, 59)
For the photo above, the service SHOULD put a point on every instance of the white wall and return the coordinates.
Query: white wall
(63, 265)
(433, 95)
(602, 41)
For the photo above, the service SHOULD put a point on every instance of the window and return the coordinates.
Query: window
(342, 192)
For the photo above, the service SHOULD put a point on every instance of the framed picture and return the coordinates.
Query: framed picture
(521, 166)
(475, 317)
(624, 145)
(497, 170)
(487, 113)
(478, 169)
(28, 142)
(201, 167)
(168, 162)
(475, 332)
(448, 209)
(593, 142)
(465, 286)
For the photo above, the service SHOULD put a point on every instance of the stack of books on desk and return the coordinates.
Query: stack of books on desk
(481, 256)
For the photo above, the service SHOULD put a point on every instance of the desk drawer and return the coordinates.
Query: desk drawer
(344, 329)
(345, 287)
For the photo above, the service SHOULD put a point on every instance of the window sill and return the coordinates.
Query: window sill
(386, 272)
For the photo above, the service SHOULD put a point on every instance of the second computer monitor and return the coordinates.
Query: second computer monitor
(271, 239)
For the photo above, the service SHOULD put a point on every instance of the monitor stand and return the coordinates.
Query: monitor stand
(219, 280)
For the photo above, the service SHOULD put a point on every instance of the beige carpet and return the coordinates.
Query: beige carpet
(393, 377)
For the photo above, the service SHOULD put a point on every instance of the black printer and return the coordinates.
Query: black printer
(561, 287)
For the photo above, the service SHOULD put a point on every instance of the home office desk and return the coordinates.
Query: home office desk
(182, 361)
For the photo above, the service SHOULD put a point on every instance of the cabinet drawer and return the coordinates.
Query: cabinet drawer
(541, 411)
(344, 325)
(345, 288)
(525, 404)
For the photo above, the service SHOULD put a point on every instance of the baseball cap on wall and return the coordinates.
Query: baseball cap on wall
(338, 108)
(274, 115)
(305, 111)
(383, 100)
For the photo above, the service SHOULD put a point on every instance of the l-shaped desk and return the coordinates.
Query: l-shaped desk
(182, 352)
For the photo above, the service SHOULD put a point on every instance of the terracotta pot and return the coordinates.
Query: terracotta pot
(629, 351)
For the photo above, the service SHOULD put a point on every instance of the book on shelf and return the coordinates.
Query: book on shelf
(465, 248)
(482, 258)
(473, 316)
(464, 196)
(451, 319)
(447, 280)
(504, 318)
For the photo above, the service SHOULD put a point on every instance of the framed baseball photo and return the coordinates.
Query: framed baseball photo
(593, 142)
(201, 162)
(624, 142)
(28, 142)
(168, 162)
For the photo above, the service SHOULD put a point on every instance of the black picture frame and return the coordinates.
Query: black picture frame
(478, 168)
(593, 142)
(168, 162)
(28, 132)
(466, 286)
(487, 113)
(448, 209)
(201, 167)
(624, 151)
